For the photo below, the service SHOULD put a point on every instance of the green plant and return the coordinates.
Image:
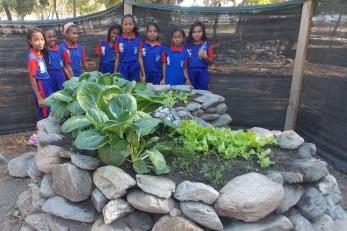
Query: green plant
(229, 144)
(110, 115)
(172, 97)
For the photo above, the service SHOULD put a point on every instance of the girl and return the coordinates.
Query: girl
(58, 61)
(106, 51)
(38, 75)
(128, 48)
(200, 56)
(152, 52)
(175, 61)
(76, 51)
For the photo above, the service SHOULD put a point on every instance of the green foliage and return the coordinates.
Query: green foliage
(229, 144)
(104, 111)
(173, 97)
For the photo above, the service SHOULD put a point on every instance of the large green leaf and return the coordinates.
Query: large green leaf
(74, 123)
(116, 127)
(90, 140)
(128, 88)
(88, 96)
(106, 79)
(121, 105)
(105, 97)
(118, 143)
(146, 104)
(158, 162)
(71, 84)
(140, 167)
(145, 126)
(58, 110)
(84, 76)
(111, 156)
(75, 108)
(60, 96)
(97, 117)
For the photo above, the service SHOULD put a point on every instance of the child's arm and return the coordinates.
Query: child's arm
(162, 82)
(97, 63)
(185, 71)
(142, 68)
(68, 71)
(116, 62)
(99, 54)
(40, 101)
(84, 60)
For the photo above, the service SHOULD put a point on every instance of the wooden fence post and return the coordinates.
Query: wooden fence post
(300, 59)
(128, 9)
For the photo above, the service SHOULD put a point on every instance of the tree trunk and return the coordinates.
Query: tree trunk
(55, 9)
(74, 8)
(7, 11)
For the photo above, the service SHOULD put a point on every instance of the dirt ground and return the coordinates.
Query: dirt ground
(13, 145)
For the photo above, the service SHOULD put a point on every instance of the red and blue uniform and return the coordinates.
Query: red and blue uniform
(77, 55)
(37, 69)
(58, 57)
(176, 59)
(152, 59)
(197, 67)
(128, 49)
(106, 54)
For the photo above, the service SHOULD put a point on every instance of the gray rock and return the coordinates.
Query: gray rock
(292, 177)
(192, 106)
(273, 223)
(72, 183)
(60, 207)
(223, 121)
(116, 209)
(48, 130)
(276, 133)
(139, 221)
(174, 212)
(209, 117)
(98, 200)
(26, 227)
(24, 203)
(156, 185)
(336, 212)
(202, 214)
(202, 122)
(48, 157)
(85, 162)
(312, 169)
(262, 132)
(292, 194)
(39, 221)
(19, 166)
(159, 88)
(195, 191)
(36, 199)
(119, 225)
(186, 88)
(149, 203)
(326, 184)
(168, 223)
(307, 150)
(300, 223)
(112, 181)
(276, 177)
(312, 204)
(34, 173)
(218, 109)
(202, 92)
(209, 100)
(290, 140)
(46, 189)
(249, 197)
(198, 112)
(3, 158)
(184, 115)
(323, 223)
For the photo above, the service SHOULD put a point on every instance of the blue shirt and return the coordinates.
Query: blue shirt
(106, 52)
(41, 70)
(128, 48)
(77, 56)
(151, 54)
(194, 60)
(175, 64)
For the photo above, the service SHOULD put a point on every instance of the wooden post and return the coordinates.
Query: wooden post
(128, 9)
(300, 59)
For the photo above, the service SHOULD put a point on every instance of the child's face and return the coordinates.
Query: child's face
(128, 25)
(37, 41)
(197, 33)
(51, 38)
(152, 33)
(114, 34)
(72, 34)
(177, 38)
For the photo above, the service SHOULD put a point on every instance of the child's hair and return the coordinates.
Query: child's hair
(155, 26)
(195, 24)
(136, 29)
(111, 28)
(178, 30)
(31, 32)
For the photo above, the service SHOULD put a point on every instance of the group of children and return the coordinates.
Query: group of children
(184, 62)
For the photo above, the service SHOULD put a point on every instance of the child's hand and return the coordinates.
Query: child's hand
(40, 102)
(188, 82)
(143, 78)
(162, 82)
(202, 54)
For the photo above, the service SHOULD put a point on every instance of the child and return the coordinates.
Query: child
(76, 51)
(200, 56)
(106, 51)
(152, 52)
(128, 48)
(58, 61)
(175, 61)
(39, 77)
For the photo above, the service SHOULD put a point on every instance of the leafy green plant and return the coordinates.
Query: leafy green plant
(110, 115)
(172, 97)
(229, 144)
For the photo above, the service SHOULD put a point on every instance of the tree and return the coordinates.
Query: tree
(6, 8)
(22, 7)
